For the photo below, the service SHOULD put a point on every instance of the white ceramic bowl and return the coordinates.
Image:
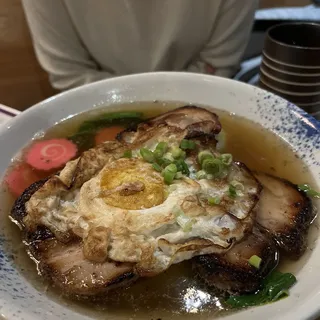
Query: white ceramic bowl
(20, 300)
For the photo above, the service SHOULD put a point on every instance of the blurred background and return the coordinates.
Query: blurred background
(23, 82)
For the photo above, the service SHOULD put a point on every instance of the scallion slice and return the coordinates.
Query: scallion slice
(183, 221)
(213, 166)
(187, 144)
(160, 149)
(169, 173)
(168, 156)
(127, 154)
(203, 155)
(255, 261)
(156, 167)
(232, 191)
(147, 155)
(201, 175)
(177, 152)
(214, 200)
(182, 166)
(226, 159)
(178, 175)
(238, 185)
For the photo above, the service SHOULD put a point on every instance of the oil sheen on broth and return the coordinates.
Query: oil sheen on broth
(175, 294)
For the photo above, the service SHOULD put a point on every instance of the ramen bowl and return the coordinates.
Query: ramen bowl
(22, 299)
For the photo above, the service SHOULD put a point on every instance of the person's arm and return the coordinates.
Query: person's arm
(222, 54)
(57, 45)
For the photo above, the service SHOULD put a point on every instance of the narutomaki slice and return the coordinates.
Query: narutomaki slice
(50, 154)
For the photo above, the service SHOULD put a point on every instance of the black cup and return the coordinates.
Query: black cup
(296, 44)
(291, 63)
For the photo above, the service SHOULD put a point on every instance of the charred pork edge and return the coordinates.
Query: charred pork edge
(293, 241)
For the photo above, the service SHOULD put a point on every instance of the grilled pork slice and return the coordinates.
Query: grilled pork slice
(64, 264)
(231, 272)
(195, 122)
(284, 213)
(66, 267)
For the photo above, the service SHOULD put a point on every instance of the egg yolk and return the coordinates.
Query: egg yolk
(132, 185)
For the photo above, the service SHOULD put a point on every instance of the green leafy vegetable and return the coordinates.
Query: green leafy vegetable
(84, 141)
(127, 119)
(255, 261)
(274, 287)
(309, 191)
(187, 144)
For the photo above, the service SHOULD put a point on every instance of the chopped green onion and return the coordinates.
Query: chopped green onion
(169, 173)
(235, 188)
(309, 191)
(160, 149)
(255, 261)
(183, 155)
(127, 154)
(187, 144)
(182, 166)
(201, 175)
(238, 185)
(203, 155)
(212, 166)
(178, 175)
(163, 162)
(168, 156)
(147, 155)
(214, 200)
(156, 167)
(232, 191)
(177, 152)
(226, 159)
(183, 221)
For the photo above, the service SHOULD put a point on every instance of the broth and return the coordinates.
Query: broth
(176, 293)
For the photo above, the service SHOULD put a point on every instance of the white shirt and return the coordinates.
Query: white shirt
(80, 41)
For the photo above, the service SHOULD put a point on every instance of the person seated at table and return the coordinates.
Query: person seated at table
(81, 41)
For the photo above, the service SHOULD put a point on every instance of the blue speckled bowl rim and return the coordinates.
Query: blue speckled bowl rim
(310, 126)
